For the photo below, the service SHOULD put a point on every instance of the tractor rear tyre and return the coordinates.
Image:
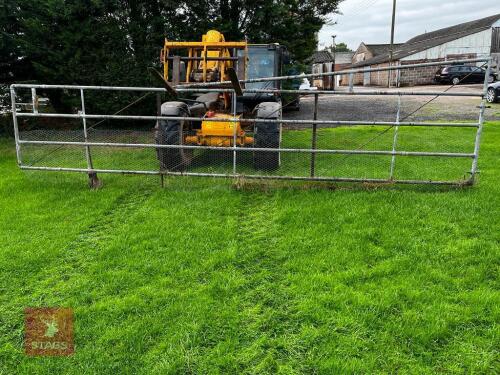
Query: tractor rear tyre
(267, 135)
(171, 132)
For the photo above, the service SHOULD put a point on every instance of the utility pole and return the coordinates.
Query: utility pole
(391, 48)
(334, 48)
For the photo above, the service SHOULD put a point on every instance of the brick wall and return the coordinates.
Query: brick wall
(382, 78)
(358, 79)
(425, 75)
(376, 78)
(343, 79)
(418, 76)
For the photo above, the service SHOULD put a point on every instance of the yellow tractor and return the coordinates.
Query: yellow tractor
(215, 60)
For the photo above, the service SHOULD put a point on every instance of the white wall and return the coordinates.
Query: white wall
(479, 43)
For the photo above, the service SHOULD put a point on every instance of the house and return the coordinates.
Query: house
(366, 52)
(324, 62)
(480, 38)
(342, 61)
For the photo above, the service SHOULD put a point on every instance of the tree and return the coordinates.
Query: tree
(89, 43)
(341, 47)
(293, 23)
(12, 64)
(113, 42)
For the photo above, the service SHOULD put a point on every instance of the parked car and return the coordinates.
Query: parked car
(493, 94)
(456, 74)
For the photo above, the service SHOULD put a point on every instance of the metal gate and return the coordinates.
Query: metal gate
(443, 152)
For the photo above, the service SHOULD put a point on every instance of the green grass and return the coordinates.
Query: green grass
(371, 138)
(200, 277)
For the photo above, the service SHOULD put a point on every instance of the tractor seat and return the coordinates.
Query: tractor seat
(210, 99)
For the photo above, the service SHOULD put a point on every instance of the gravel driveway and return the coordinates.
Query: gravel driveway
(384, 108)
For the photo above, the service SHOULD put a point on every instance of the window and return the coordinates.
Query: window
(261, 64)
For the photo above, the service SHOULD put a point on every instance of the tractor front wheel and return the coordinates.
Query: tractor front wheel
(171, 132)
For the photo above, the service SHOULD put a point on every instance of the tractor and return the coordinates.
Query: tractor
(210, 65)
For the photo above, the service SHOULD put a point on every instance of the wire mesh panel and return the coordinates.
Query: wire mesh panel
(396, 135)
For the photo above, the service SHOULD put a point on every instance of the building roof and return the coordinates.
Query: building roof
(324, 56)
(380, 49)
(319, 57)
(435, 38)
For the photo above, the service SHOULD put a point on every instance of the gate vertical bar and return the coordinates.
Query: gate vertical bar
(158, 113)
(94, 182)
(234, 131)
(16, 128)
(351, 82)
(479, 132)
(314, 136)
(34, 100)
(395, 140)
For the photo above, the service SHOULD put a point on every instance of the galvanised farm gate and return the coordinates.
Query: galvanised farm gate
(310, 148)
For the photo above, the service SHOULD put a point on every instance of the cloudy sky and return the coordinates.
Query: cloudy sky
(370, 20)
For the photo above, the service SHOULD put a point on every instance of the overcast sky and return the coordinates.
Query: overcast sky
(370, 20)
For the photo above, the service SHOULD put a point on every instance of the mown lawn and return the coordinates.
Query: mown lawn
(327, 165)
(201, 277)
